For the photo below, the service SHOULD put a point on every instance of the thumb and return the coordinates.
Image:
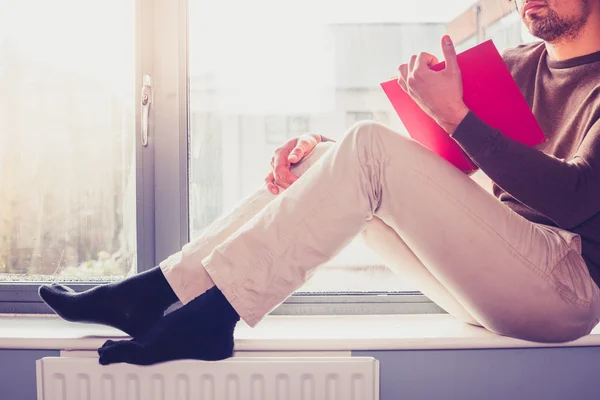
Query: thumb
(449, 53)
(295, 155)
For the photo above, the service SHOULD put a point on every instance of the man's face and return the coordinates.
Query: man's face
(554, 20)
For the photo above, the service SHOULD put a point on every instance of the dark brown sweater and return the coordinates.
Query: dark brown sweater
(556, 183)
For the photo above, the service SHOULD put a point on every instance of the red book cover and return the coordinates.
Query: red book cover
(489, 91)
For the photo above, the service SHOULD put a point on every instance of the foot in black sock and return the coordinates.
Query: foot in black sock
(133, 305)
(200, 330)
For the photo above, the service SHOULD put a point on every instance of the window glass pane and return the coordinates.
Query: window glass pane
(67, 175)
(269, 70)
(508, 31)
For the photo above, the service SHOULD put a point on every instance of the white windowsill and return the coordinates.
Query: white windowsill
(290, 333)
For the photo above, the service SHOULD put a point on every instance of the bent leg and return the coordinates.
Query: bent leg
(203, 327)
(189, 279)
(398, 257)
(184, 270)
(515, 278)
(507, 272)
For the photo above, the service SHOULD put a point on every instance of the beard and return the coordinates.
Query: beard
(551, 27)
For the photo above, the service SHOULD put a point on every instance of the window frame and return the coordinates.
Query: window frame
(162, 171)
(409, 302)
(22, 298)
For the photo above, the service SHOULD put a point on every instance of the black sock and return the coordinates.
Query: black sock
(133, 305)
(200, 330)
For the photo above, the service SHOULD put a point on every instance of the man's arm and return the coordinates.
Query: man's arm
(567, 192)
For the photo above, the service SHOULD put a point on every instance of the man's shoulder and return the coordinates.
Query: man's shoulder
(524, 55)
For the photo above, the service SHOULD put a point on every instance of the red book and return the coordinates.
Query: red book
(489, 91)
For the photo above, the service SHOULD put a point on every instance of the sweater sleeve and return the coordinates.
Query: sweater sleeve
(567, 192)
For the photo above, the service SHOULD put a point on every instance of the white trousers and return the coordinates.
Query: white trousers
(469, 253)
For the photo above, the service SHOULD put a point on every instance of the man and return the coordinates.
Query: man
(527, 266)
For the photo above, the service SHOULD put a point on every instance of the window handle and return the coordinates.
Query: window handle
(146, 99)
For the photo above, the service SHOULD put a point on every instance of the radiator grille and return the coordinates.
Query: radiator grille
(248, 378)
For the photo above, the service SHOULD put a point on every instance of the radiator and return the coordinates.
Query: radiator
(247, 378)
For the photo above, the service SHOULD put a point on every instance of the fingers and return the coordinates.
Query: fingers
(296, 154)
(425, 60)
(303, 147)
(449, 54)
(281, 169)
(291, 152)
(270, 181)
(417, 63)
(403, 70)
(283, 176)
(412, 62)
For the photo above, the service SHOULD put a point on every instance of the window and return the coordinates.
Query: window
(298, 125)
(67, 155)
(304, 68)
(508, 31)
(206, 190)
(68, 181)
(279, 128)
(275, 130)
(355, 116)
(466, 44)
(83, 201)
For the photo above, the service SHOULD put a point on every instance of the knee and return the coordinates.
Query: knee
(365, 128)
(372, 135)
(311, 158)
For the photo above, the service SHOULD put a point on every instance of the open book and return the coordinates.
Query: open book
(489, 91)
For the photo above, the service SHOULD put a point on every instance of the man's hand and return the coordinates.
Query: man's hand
(439, 94)
(290, 153)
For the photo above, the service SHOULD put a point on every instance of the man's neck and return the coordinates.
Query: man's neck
(587, 42)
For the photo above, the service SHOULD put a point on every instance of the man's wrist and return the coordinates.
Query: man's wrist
(451, 123)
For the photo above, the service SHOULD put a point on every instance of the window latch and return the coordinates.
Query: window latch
(146, 100)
